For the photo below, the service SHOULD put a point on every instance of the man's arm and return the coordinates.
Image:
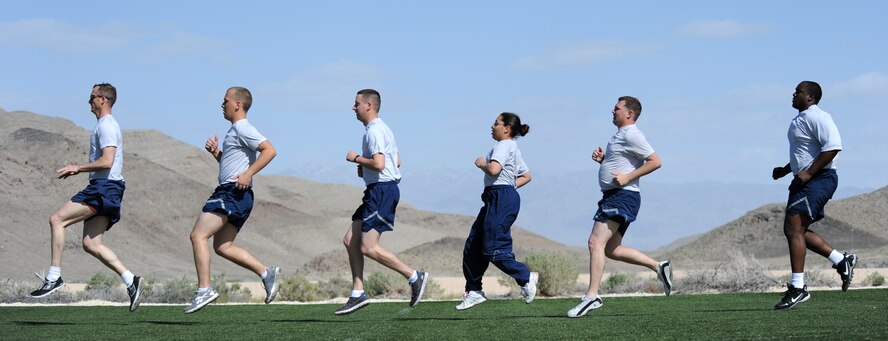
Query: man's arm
(105, 161)
(212, 146)
(598, 155)
(651, 163)
(377, 163)
(780, 172)
(266, 153)
(821, 161)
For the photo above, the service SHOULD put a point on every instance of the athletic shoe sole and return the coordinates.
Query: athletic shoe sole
(425, 280)
(274, 285)
(590, 306)
(202, 304)
(135, 303)
(352, 309)
(49, 292)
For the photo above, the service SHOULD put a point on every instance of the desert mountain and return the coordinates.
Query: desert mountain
(296, 224)
(858, 223)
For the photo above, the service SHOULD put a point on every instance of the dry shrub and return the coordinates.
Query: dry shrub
(388, 285)
(173, 291)
(335, 287)
(18, 292)
(182, 290)
(299, 288)
(622, 283)
(433, 290)
(619, 283)
(558, 273)
(874, 279)
(104, 288)
(508, 281)
(230, 292)
(743, 273)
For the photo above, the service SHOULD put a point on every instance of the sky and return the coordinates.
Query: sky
(715, 78)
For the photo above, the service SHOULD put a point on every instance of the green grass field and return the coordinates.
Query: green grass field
(857, 314)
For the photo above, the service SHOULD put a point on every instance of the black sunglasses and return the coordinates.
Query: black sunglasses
(92, 97)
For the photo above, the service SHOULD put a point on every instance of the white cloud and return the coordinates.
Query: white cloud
(723, 29)
(326, 88)
(581, 54)
(177, 44)
(64, 37)
(147, 43)
(873, 84)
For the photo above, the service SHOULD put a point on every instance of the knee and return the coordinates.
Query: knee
(346, 241)
(611, 252)
(91, 246)
(223, 249)
(369, 251)
(55, 221)
(595, 244)
(792, 231)
(196, 237)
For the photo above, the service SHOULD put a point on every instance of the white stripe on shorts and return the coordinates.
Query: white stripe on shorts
(376, 214)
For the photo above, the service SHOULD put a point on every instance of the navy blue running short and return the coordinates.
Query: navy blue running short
(234, 203)
(104, 197)
(619, 205)
(811, 198)
(377, 210)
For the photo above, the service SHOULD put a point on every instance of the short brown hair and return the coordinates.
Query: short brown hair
(108, 91)
(372, 96)
(632, 104)
(242, 95)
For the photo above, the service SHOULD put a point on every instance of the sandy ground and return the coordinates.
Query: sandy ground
(454, 286)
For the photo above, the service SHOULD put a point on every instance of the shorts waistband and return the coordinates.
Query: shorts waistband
(382, 183)
(498, 187)
(616, 190)
(231, 185)
(96, 181)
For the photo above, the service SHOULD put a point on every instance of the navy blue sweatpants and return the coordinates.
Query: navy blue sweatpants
(490, 240)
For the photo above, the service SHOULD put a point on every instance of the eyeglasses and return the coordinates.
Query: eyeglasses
(92, 97)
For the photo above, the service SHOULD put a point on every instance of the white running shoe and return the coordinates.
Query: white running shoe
(199, 301)
(586, 304)
(271, 283)
(529, 290)
(471, 299)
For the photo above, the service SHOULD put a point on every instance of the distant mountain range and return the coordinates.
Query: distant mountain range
(560, 206)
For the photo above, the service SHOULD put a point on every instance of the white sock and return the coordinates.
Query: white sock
(201, 291)
(357, 293)
(127, 278)
(54, 273)
(798, 280)
(264, 274)
(414, 277)
(835, 257)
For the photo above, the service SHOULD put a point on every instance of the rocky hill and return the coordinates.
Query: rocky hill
(858, 223)
(296, 224)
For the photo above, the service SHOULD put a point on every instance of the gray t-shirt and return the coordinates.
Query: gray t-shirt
(810, 133)
(625, 152)
(379, 139)
(506, 153)
(238, 150)
(107, 134)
